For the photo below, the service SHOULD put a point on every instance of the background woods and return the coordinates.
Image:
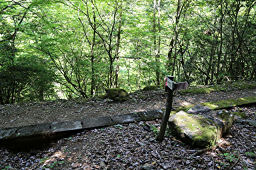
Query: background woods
(66, 49)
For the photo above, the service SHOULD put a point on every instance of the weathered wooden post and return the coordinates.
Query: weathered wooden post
(170, 86)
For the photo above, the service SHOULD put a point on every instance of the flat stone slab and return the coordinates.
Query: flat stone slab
(200, 130)
(85, 123)
(199, 109)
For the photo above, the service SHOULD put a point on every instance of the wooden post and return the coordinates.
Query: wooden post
(169, 89)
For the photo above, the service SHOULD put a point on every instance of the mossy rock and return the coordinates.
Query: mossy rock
(195, 90)
(200, 130)
(220, 87)
(222, 104)
(150, 88)
(117, 94)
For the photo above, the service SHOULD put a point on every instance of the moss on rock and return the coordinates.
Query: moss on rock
(199, 130)
(240, 114)
(149, 88)
(195, 90)
(230, 86)
(222, 104)
(117, 94)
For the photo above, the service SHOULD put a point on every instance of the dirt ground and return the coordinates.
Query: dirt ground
(62, 110)
(133, 146)
(129, 146)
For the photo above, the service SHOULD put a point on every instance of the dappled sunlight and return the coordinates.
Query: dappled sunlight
(56, 159)
(185, 103)
(139, 110)
(211, 105)
(223, 142)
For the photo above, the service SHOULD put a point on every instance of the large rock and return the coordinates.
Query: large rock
(150, 88)
(200, 130)
(117, 94)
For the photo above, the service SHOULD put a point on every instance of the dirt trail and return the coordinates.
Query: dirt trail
(61, 110)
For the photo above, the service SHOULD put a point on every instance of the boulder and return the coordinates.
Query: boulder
(200, 130)
(150, 88)
(117, 94)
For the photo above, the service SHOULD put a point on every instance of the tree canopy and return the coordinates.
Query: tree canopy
(77, 48)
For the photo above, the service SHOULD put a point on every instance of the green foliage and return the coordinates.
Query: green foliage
(154, 129)
(27, 80)
(250, 154)
(230, 157)
(7, 167)
(52, 164)
(118, 156)
(95, 45)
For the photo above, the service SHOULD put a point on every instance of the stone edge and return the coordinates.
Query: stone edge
(85, 123)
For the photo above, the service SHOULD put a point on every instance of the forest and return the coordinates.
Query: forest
(51, 49)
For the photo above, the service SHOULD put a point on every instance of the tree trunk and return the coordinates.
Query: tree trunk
(156, 28)
(221, 43)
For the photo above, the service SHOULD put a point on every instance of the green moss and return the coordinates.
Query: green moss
(222, 104)
(199, 130)
(203, 131)
(223, 87)
(196, 91)
(240, 114)
(173, 112)
(117, 94)
(149, 88)
(244, 85)
(184, 108)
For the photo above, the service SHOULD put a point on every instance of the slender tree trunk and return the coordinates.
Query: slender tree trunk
(221, 43)
(172, 53)
(93, 84)
(232, 67)
(118, 42)
(157, 41)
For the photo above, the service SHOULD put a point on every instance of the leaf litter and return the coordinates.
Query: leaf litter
(133, 146)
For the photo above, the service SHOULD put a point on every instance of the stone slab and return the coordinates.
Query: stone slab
(85, 123)
(199, 109)
(66, 126)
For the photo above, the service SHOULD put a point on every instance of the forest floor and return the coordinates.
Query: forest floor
(18, 115)
(129, 146)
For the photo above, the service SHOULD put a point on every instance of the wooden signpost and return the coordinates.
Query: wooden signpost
(170, 86)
